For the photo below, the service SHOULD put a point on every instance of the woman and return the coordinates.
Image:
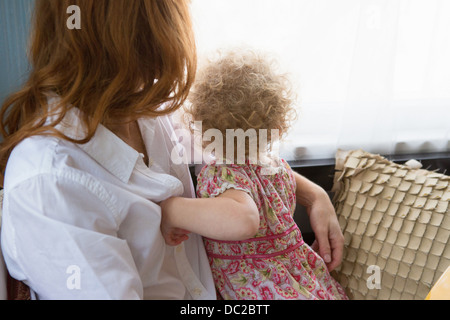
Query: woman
(86, 157)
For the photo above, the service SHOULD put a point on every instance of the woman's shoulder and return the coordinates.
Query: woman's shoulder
(36, 156)
(31, 156)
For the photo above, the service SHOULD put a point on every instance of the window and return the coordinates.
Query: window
(371, 74)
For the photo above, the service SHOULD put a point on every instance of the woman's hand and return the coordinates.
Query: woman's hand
(329, 241)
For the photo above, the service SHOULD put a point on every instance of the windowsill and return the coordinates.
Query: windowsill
(422, 157)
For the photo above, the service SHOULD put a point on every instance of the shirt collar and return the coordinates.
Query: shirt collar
(105, 147)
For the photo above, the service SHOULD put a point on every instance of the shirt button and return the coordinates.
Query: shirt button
(197, 291)
(179, 249)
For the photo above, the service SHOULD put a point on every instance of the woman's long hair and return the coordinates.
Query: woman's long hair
(128, 58)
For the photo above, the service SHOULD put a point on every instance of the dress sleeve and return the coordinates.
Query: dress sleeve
(214, 180)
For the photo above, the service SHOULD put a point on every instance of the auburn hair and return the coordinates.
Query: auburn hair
(128, 59)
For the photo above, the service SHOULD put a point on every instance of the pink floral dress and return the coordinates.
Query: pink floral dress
(276, 263)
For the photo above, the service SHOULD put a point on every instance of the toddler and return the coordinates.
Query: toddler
(240, 90)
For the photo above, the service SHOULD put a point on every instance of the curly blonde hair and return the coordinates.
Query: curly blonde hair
(240, 89)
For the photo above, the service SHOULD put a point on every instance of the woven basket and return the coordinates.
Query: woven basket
(396, 225)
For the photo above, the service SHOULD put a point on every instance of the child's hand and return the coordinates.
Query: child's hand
(172, 235)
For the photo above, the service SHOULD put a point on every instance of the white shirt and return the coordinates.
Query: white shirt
(81, 221)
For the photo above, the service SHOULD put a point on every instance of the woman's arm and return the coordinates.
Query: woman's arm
(232, 216)
(329, 239)
(60, 237)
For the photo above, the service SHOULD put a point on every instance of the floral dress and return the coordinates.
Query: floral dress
(276, 263)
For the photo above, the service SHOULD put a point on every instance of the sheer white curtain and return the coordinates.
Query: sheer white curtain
(371, 74)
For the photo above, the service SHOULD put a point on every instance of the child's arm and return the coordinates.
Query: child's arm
(323, 220)
(232, 216)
